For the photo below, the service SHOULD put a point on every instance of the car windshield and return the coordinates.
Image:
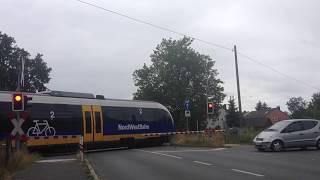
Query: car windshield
(277, 126)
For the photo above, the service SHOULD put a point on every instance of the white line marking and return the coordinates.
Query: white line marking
(162, 154)
(193, 150)
(199, 162)
(55, 160)
(246, 172)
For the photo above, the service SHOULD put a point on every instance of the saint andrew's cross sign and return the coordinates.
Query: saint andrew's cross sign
(17, 125)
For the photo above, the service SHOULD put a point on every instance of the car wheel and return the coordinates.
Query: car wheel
(318, 144)
(277, 146)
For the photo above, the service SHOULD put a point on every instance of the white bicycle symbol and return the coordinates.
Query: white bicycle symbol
(46, 129)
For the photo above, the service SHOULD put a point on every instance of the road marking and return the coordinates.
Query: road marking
(161, 154)
(55, 160)
(246, 172)
(193, 150)
(199, 162)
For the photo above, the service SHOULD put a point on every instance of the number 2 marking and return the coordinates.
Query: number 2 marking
(52, 115)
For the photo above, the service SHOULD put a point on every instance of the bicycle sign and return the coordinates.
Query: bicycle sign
(41, 128)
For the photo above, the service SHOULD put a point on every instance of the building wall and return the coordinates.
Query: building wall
(277, 115)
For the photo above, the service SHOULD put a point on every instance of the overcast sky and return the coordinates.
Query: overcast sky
(91, 50)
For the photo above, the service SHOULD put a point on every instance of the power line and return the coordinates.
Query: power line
(153, 25)
(198, 39)
(279, 72)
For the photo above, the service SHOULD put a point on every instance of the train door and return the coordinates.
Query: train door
(92, 123)
(87, 123)
(98, 123)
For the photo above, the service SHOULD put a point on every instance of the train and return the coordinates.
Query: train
(60, 118)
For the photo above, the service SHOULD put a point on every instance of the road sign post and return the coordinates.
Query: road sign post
(187, 113)
(17, 137)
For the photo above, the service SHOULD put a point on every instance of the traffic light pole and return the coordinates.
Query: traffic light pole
(17, 138)
(207, 99)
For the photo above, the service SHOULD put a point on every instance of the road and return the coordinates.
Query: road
(243, 162)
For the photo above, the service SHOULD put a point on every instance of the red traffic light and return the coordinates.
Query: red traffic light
(210, 107)
(17, 102)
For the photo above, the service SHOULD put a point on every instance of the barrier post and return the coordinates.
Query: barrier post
(81, 148)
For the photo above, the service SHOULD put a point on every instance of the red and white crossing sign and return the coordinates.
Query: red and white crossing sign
(17, 125)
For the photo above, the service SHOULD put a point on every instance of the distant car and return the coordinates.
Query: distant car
(289, 134)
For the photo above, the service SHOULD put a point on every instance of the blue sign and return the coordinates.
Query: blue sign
(187, 105)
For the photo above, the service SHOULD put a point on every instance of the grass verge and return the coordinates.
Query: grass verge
(18, 161)
(248, 135)
(199, 140)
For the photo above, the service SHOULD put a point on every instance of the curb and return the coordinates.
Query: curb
(232, 145)
(91, 170)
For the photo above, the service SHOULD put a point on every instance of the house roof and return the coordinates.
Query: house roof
(257, 114)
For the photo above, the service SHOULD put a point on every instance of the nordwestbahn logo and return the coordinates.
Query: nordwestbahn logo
(133, 126)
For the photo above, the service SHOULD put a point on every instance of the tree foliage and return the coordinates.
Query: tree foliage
(297, 107)
(261, 106)
(300, 108)
(36, 72)
(178, 73)
(314, 106)
(233, 115)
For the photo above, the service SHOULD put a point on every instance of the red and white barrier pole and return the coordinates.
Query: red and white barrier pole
(81, 148)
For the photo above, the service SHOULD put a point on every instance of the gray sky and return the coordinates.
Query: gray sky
(91, 50)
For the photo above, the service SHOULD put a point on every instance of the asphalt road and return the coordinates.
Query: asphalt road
(184, 163)
(52, 168)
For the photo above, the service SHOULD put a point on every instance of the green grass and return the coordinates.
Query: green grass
(248, 135)
(199, 140)
(18, 161)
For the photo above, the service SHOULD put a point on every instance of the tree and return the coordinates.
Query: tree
(314, 106)
(297, 107)
(36, 72)
(178, 73)
(233, 116)
(261, 106)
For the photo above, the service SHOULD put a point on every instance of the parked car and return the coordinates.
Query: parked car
(288, 134)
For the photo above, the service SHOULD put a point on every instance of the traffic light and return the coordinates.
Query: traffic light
(210, 107)
(17, 102)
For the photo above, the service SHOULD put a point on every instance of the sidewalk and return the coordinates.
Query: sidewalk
(59, 167)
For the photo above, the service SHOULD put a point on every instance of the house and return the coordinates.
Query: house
(219, 122)
(264, 118)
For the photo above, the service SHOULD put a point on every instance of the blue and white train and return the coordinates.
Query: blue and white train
(60, 118)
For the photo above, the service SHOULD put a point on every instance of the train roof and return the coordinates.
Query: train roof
(75, 98)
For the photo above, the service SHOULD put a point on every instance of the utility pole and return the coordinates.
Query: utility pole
(237, 74)
(238, 83)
